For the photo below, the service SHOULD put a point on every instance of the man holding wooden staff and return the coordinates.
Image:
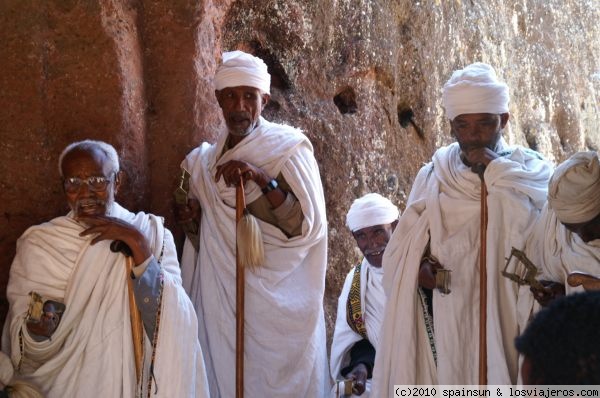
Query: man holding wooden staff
(432, 322)
(285, 350)
(72, 316)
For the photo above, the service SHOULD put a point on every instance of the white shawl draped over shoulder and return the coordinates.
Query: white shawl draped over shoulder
(372, 301)
(285, 352)
(558, 252)
(444, 205)
(91, 351)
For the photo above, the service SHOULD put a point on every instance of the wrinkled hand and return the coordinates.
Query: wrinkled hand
(110, 228)
(232, 170)
(478, 156)
(48, 321)
(359, 374)
(552, 291)
(427, 273)
(187, 212)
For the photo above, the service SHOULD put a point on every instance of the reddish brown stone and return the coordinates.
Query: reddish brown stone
(139, 75)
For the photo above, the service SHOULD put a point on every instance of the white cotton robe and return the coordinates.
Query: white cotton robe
(445, 204)
(91, 351)
(285, 347)
(557, 251)
(372, 300)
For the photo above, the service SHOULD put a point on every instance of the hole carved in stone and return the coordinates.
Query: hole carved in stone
(345, 101)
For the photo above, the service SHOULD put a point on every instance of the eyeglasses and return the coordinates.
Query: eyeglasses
(94, 183)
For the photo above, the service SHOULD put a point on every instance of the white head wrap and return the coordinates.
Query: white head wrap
(574, 189)
(241, 69)
(475, 89)
(371, 209)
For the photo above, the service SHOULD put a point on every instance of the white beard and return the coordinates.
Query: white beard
(108, 205)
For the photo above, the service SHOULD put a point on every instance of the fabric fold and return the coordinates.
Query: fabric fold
(283, 298)
(444, 208)
(91, 351)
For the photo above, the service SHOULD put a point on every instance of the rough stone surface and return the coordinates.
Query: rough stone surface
(348, 72)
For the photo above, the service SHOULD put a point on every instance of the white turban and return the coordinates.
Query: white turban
(574, 189)
(371, 209)
(241, 69)
(475, 89)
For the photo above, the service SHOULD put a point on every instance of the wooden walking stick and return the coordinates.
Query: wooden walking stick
(249, 252)
(240, 206)
(137, 328)
(483, 281)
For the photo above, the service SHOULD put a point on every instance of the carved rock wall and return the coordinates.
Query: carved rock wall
(348, 72)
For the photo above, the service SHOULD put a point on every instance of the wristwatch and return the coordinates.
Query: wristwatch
(271, 185)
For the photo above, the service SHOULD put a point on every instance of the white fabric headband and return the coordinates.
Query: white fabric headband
(475, 89)
(574, 189)
(241, 69)
(371, 209)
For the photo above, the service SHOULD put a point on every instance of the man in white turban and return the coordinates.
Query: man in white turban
(430, 334)
(574, 193)
(566, 238)
(371, 219)
(79, 342)
(285, 344)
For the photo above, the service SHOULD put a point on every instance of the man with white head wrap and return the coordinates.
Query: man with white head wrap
(80, 343)
(566, 238)
(574, 191)
(372, 219)
(440, 229)
(285, 344)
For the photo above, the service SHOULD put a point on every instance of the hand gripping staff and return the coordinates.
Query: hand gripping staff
(249, 253)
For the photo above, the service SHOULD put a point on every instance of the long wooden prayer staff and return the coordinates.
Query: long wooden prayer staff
(135, 318)
(479, 169)
(240, 206)
(137, 328)
(249, 252)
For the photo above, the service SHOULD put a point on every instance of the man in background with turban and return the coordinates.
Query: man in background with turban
(285, 344)
(372, 220)
(566, 238)
(440, 229)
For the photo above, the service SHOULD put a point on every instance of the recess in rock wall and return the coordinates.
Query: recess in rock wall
(531, 138)
(406, 117)
(279, 79)
(345, 101)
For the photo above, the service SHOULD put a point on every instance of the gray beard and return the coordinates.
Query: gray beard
(108, 205)
(246, 132)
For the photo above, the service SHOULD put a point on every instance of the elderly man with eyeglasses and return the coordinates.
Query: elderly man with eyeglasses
(68, 330)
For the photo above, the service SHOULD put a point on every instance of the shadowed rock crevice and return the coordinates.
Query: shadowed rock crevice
(406, 117)
(345, 101)
(279, 79)
(531, 139)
